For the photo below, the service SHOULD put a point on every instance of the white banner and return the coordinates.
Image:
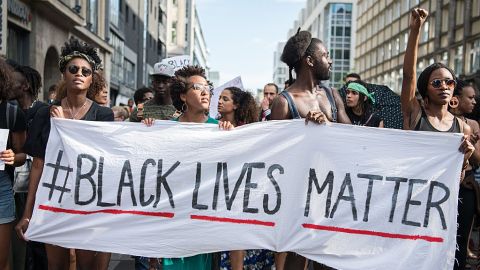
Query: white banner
(347, 196)
(236, 82)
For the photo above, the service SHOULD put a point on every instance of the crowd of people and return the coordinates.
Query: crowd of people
(442, 104)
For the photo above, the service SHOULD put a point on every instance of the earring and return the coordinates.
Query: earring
(184, 107)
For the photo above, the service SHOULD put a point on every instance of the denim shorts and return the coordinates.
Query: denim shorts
(7, 202)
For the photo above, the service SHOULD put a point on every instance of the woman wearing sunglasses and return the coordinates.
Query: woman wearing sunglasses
(191, 93)
(77, 64)
(436, 85)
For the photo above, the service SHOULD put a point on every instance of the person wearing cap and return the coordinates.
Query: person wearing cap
(161, 106)
(359, 106)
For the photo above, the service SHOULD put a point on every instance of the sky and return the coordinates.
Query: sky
(241, 36)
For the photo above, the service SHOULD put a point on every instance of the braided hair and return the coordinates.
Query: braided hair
(33, 78)
(297, 47)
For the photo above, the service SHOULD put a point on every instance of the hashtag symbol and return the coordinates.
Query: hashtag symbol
(53, 185)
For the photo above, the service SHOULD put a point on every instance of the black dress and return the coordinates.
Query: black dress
(37, 136)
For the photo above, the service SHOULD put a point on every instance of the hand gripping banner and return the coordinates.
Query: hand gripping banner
(349, 197)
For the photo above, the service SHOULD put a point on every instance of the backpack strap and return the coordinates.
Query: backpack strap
(331, 99)
(291, 105)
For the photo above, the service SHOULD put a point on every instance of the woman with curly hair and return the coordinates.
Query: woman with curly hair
(77, 63)
(237, 106)
(191, 94)
(13, 119)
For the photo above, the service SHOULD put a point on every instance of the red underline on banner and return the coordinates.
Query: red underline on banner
(373, 233)
(106, 211)
(234, 220)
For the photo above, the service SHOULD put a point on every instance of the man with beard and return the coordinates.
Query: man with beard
(161, 106)
(306, 98)
(311, 62)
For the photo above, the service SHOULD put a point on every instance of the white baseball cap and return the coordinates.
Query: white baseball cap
(163, 69)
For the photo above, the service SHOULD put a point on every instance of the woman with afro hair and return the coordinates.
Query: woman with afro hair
(77, 63)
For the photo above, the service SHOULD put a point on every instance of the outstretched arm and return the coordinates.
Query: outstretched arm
(410, 106)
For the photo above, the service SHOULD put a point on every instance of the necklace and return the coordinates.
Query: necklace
(74, 115)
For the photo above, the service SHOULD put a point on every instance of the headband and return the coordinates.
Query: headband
(361, 89)
(76, 54)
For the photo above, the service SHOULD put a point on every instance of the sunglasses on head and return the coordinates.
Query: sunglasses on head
(437, 83)
(85, 71)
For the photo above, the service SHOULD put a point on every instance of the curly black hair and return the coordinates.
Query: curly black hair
(179, 83)
(140, 93)
(98, 84)
(74, 46)
(297, 47)
(247, 111)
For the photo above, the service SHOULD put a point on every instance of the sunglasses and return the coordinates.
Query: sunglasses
(74, 70)
(201, 87)
(438, 83)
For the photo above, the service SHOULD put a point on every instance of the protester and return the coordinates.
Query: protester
(77, 63)
(359, 105)
(270, 91)
(160, 107)
(119, 113)
(311, 62)
(303, 99)
(52, 93)
(191, 93)
(436, 85)
(237, 106)
(13, 119)
(462, 103)
(130, 105)
(142, 95)
(30, 255)
(98, 90)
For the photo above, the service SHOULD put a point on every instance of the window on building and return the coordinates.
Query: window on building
(444, 59)
(92, 15)
(460, 9)
(117, 59)
(458, 60)
(174, 32)
(445, 20)
(115, 12)
(405, 6)
(129, 68)
(425, 32)
(475, 56)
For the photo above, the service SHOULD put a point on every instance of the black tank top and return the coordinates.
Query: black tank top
(424, 125)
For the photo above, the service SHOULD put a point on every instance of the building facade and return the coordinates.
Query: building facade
(280, 69)
(184, 32)
(333, 22)
(450, 35)
(138, 34)
(36, 31)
